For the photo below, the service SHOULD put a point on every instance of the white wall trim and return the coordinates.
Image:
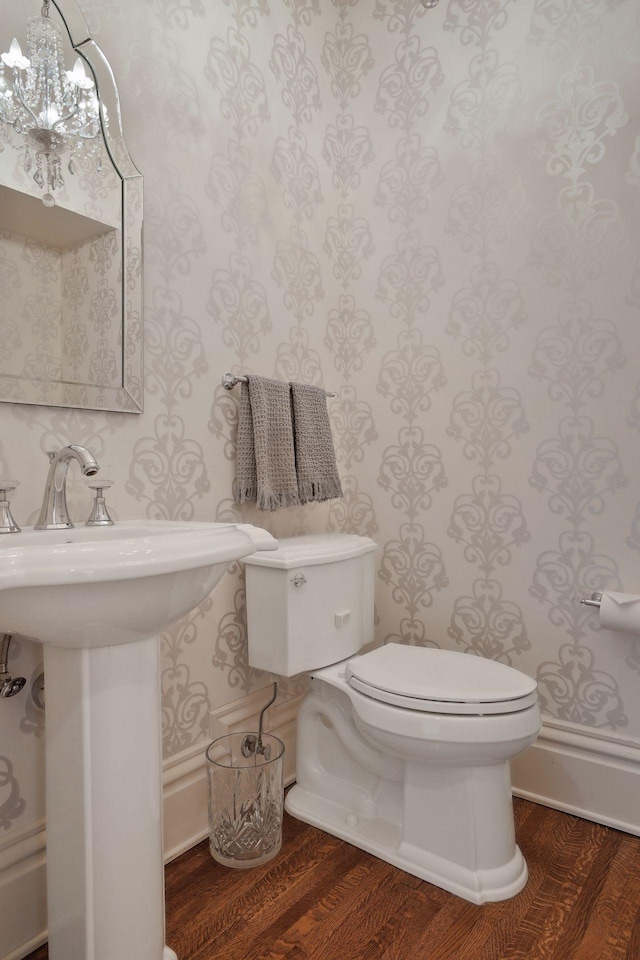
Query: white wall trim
(26, 948)
(185, 801)
(23, 858)
(22, 845)
(598, 741)
(591, 774)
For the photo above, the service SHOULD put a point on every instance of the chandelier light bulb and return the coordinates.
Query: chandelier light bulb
(14, 58)
(79, 77)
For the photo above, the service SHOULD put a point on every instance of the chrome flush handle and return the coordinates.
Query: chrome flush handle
(299, 580)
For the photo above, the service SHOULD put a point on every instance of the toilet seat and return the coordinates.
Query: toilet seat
(440, 681)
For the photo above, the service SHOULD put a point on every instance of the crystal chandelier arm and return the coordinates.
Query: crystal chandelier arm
(19, 99)
(65, 117)
(20, 102)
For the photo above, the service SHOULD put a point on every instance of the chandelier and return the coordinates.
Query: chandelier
(51, 112)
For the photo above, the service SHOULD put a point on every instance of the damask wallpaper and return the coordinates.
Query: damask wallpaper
(435, 214)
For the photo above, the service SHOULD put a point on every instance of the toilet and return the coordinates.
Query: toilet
(402, 751)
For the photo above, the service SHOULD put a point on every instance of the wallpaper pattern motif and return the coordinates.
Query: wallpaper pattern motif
(44, 332)
(435, 214)
(349, 332)
(411, 470)
(577, 468)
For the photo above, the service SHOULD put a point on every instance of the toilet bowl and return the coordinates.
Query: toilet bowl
(403, 751)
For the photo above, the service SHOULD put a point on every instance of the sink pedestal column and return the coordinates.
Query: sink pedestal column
(105, 871)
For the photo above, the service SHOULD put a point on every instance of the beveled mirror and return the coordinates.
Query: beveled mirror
(70, 219)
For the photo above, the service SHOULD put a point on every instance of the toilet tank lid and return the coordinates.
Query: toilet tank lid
(313, 548)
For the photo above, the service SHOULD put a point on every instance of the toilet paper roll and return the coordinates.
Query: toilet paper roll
(620, 611)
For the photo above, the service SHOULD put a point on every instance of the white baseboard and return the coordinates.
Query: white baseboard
(23, 885)
(23, 919)
(26, 948)
(185, 815)
(586, 773)
(591, 774)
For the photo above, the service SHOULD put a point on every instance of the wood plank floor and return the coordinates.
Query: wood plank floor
(322, 899)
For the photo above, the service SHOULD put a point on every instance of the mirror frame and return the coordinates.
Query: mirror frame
(129, 396)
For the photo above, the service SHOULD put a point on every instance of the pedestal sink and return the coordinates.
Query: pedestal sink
(97, 598)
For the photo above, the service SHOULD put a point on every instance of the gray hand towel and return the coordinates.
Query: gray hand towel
(315, 455)
(265, 459)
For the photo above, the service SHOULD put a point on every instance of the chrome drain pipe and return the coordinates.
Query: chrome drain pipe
(9, 685)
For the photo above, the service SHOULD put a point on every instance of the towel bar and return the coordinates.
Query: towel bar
(229, 381)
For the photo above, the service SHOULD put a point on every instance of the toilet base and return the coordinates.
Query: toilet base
(428, 793)
(383, 839)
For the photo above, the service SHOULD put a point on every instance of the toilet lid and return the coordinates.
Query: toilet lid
(440, 681)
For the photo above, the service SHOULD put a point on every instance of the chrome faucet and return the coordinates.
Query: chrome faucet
(54, 514)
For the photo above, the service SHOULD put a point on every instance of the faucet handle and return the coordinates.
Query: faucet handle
(99, 514)
(7, 523)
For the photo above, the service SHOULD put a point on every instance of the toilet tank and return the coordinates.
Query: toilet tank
(310, 602)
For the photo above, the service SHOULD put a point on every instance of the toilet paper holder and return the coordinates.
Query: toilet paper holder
(594, 601)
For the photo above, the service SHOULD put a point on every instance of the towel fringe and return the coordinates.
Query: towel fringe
(268, 500)
(264, 499)
(245, 494)
(318, 491)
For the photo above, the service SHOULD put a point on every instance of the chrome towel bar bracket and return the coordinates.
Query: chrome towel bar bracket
(594, 601)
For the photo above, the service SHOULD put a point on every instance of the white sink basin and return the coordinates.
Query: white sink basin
(99, 586)
(97, 598)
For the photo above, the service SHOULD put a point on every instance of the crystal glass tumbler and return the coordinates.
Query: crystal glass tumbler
(246, 794)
